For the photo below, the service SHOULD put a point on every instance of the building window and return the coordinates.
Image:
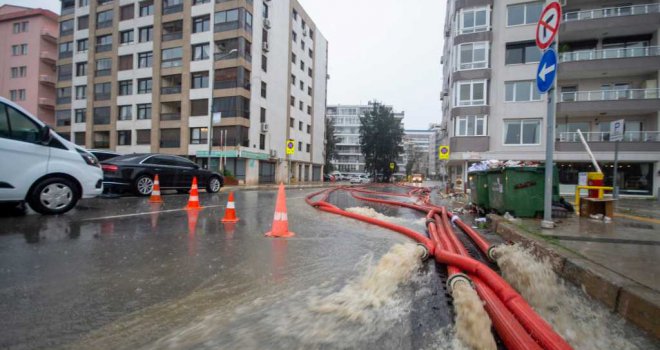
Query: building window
(123, 137)
(17, 95)
(104, 43)
(144, 86)
(146, 34)
(79, 138)
(171, 57)
(125, 113)
(300, 105)
(473, 125)
(527, 13)
(292, 100)
(126, 62)
(233, 106)
(172, 6)
(201, 24)
(262, 141)
(126, 37)
(83, 22)
(302, 65)
(198, 2)
(474, 20)
(264, 63)
(81, 92)
(146, 8)
(225, 20)
(101, 115)
(126, 12)
(82, 45)
(302, 45)
(300, 146)
(63, 117)
(200, 52)
(293, 58)
(309, 90)
(293, 79)
(18, 72)
(81, 69)
(309, 110)
(101, 139)
(199, 107)
(104, 19)
(309, 129)
(308, 148)
(20, 27)
(472, 56)
(144, 111)
(262, 117)
(143, 137)
(300, 126)
(264, 87)
(103, 67)
(518, 53)
(66, 27)
(172, 30)
(65, 49)
(80, 115)
(292, 123)
(125, 87)
(170, 138)
(309, 72)
(294, 36)
(19, 50)
(64, 95)
(302, 85)
(199, 136)
(310, 53)
(521, 91)
(102, 91)
(145, 59)
(470, 93)
(229, 78)
(200, 80)
(522, 132)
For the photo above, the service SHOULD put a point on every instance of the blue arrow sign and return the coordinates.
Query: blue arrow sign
(547, 71)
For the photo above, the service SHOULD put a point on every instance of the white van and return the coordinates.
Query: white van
(41, 168)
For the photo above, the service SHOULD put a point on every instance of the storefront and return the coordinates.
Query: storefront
(632, 178)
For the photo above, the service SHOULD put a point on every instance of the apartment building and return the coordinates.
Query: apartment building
(146, 76)
(346, 121)
(420, 151)
(28, 42)
(609, 70)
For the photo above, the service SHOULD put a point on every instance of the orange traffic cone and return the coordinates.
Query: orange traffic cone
(230, 211)
(280, 220)
(193, 200)
(155, 192)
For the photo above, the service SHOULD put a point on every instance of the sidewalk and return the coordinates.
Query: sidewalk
(616, 263)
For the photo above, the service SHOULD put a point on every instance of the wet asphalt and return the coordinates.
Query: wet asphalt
(126, 274)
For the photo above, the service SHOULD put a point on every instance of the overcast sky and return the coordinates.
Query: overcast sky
(387, 50)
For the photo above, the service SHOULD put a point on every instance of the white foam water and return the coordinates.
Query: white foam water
(370, 212)
(580, 321)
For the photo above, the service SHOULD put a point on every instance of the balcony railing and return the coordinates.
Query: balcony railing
(104, 24)
(65, 54)
(170, 116)
(172, 36)
(610, 95)
(587, 55)
(67, 10)
(48, 57)
(172, 9)
(48, 36)
(627, 10)
(47, 79)
(167, 90)
(628, 136)
(102, 72)
(104, 48)
(46, 102)
(63, 100)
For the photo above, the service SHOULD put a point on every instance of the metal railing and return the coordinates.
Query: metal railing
(170, 116)
(104, 24)
(167, 90)
(603, 136)
(172, 9)
(628, 10)
(172, 36)
(103, 47)
(610, 95)
(586, 55)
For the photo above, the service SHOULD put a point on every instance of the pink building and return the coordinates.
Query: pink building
(28, 46)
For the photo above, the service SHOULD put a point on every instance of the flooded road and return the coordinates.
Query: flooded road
(123, 274)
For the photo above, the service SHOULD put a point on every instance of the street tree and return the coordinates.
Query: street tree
(330, 144)
(381, 133)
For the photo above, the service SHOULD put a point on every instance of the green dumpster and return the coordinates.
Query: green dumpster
(519, 190)
(478, 181)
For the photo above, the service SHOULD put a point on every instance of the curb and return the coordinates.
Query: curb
(635, 302)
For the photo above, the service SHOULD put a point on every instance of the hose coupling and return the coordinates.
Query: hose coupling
(426, 254)
(451, 282)
(429, 221)
(491, 253)
(454, 218)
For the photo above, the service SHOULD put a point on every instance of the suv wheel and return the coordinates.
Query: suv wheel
(214, 185)
(144, 184)
(55, 195)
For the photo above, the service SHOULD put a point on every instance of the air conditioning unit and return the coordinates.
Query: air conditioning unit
(264, 127)
(266, 23)
(265, 47)
(273, 153)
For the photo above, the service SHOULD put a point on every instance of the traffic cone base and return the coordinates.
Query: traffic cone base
(155, 192)
(230, 211)
(193, 200)
(280, 219)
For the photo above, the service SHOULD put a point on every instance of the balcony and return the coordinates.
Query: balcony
(47, 80)
(102, 72)
(104, 48)
(633, 141)
(609, 62)
(172, 9)
(628, 20)
(613, 102)
(48, 57)
(64, 100)
(172, 36)
(48, 36)
(170, 116)
(104, 24)
(46, 103)
(65, 54)
(168, 90)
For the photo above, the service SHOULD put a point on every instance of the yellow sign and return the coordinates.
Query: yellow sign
(290, 146)
(392, 166)
(443, 152)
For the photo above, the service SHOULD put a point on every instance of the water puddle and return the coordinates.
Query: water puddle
(582, 322)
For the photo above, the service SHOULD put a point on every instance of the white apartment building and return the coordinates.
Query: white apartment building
(145, 76)
(609, 70)
(346, 121)
(420, 146)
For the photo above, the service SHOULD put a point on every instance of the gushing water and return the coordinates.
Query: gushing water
(370, 212)
(472, 322)
(583, 323)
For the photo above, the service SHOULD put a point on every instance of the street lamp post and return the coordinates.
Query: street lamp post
(212, 116)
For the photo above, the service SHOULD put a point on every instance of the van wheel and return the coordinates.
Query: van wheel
(54, 195)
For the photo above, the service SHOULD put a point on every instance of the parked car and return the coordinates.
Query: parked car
(417, 178)
(360, 179)
(328, 178)
(136, 172)
(41, 168)
(103, 155)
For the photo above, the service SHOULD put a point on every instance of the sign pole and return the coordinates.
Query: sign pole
(615, 183)
(549, 160)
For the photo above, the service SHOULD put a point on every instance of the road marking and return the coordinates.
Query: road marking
(637, 218)
(148, 213)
